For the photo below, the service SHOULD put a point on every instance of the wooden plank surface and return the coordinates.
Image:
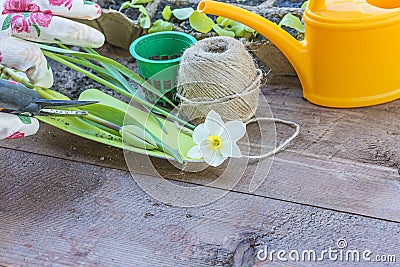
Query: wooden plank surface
(368, 135)
(56, 212)
(346, 160)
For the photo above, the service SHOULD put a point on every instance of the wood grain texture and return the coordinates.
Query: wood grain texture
(344, 159)
(55, 212)
(368, 135)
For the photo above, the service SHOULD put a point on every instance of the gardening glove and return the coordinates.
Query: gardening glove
(13, 126)
(43, 21)
(40, 21)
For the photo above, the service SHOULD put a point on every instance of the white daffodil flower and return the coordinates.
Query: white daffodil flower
(216, 140)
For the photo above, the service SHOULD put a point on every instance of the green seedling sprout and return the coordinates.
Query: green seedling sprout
(144, 18)
(201, 23)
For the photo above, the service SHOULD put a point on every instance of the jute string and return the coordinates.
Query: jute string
(218, 74)
(283, 144)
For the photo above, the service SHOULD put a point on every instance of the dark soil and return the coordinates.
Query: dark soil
(184, 25)
(288, 3)
(131, 13)
(245, 2)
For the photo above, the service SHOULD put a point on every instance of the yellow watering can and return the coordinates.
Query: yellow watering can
(350, 56)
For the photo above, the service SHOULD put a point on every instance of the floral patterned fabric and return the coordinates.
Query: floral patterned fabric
(40, 21)
(13, 126)
(43, 21)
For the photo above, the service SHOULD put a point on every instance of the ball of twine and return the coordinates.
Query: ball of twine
(218, 74)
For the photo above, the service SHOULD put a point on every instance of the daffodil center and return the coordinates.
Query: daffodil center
(215, 142)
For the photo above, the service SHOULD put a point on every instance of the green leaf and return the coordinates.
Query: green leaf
(145, 22)
(241, 30)
(111, 72)
(238, 28)
(201, 22)
(223, 32)
(225, 22)
(102, 72)
(183, 13)
(85, 127)
(173, 141)
(142, 9)
(293, 22)
(141, 2)
(111, 114)
(137, 137)
(125, 5)
(80, 127)
(108, 113)
(167, 13)
(25, 119)
(37, 29)
(160, 26)
(50, 94)
(219, 20)
(304, 5)
(85, 2)
(144, 19)
(6, 22)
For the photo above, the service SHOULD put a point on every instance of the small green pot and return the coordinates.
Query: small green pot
(158, 56)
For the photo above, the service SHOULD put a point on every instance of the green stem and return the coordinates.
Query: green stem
(103, 122)
(101, 71)
(87, 73)
(114, 73)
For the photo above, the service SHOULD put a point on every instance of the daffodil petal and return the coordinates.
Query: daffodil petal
(200, 133)
(205, 149)
(235, 130)
(218, 160)
(230, 149)
(236, 153)
(214, 123)
(226, 148)
(194, 153)
(211, 157)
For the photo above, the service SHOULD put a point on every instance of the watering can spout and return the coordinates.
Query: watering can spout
(294, 50)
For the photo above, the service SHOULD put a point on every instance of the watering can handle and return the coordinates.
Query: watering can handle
(316, 5)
